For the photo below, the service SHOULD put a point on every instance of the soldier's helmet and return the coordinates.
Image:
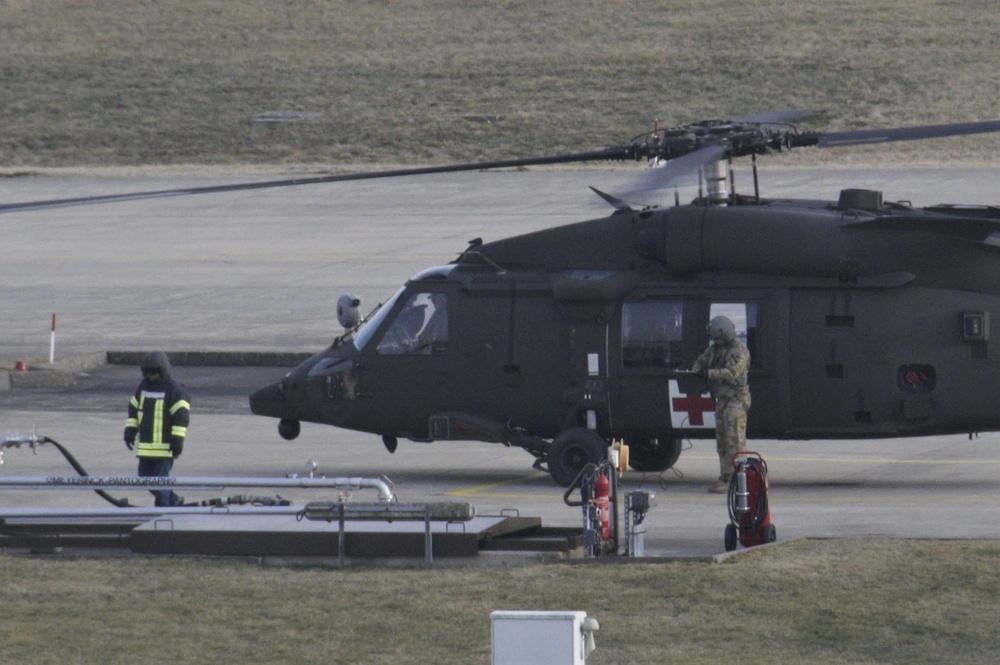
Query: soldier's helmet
(156, 361)
(721, 329)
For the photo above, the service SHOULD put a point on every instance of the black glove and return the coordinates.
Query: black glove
(130, 437)
(177, 446)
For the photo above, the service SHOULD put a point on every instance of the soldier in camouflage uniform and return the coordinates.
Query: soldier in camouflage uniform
(725, 364)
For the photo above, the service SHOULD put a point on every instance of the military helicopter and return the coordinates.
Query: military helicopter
(864, 318)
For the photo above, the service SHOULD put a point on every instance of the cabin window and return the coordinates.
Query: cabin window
(744, 317)
(650, 333)
(419, 328)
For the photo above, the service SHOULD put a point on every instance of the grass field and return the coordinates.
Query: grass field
(168, 82)
(846, 601)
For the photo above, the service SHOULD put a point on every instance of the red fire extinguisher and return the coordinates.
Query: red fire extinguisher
(601, 491)
(749, 503)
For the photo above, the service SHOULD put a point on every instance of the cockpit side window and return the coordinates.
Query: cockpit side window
(420, 327)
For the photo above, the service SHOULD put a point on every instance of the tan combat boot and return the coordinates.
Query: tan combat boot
(720, 487)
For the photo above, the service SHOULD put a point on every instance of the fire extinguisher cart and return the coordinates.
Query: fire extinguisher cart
(598, 485)
(749, 503)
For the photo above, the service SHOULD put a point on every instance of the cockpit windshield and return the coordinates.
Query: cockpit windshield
(368, 328)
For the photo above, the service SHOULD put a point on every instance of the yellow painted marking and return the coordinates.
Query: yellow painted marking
(882, 500)
(479, 489)
(853, 460)
(484, 490)
(880, 460)
(508, 495)
(784, 498)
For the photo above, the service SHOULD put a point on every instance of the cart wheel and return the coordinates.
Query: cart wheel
(770, 534)
(731, 537)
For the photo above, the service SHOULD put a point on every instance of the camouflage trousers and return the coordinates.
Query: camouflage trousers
(730, 434)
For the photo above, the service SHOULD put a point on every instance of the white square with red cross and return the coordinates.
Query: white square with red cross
(690, 410)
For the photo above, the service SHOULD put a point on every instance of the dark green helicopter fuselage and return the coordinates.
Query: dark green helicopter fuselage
(863, 319)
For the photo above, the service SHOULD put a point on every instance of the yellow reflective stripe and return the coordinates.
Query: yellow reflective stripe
(153, 450)
(158, 421)
(178, 430)
(178, 405)
(132, 422)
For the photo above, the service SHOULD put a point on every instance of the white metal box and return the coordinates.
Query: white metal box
(538, 638)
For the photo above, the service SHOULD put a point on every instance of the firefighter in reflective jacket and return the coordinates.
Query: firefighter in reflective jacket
(158, 416)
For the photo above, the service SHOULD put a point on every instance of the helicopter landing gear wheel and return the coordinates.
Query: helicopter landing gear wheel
(653, 455)
(289, 429)
(572, 450)
(730, 537)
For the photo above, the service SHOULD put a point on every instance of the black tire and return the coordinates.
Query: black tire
(731, 537)
(572, 450)
(653, 457)
(770, 534)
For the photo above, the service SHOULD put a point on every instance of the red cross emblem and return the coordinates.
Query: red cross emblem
(689, 409)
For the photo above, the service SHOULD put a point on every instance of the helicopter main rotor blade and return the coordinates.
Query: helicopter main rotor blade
(677, 172)
(618, 153)
(687, 148)
(865, 136)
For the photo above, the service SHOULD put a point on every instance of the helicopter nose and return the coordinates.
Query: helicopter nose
(270, 401)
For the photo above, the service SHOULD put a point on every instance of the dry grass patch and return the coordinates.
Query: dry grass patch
(416, 81)
(841, 601)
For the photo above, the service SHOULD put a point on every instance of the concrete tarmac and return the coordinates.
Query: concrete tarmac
(262, 270)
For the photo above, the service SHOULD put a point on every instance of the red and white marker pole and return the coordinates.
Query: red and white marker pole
(52, 341)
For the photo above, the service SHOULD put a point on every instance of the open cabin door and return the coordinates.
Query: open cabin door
(661, 335)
